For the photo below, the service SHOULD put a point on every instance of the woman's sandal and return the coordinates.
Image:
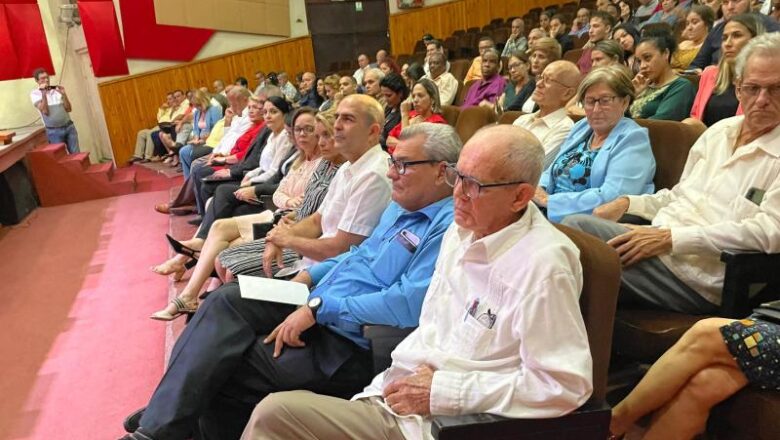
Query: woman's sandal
(182, 308)
(177, 271)
(180, 248)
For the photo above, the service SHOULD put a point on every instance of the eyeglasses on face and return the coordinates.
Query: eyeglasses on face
(470, 186)
(547, 80)
(303, 129)
(753, 90)
(400, 165)
(604, 101)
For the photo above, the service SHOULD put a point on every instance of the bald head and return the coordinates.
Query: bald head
(509, 159)
(508, 153)
(561, 79)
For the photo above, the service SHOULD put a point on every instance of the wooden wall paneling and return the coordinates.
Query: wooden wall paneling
(441, 20)
(130, 103)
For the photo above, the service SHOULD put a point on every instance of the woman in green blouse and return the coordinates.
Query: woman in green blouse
(661, 93)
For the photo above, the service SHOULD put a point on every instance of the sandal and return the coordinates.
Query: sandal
(177, 270)
(182, 308)
(180, 248)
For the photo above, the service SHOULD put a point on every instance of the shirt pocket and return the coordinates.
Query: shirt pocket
(474, 338)
(391, 262)
(742, 208)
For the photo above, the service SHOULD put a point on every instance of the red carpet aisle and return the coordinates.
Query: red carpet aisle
(77, 352)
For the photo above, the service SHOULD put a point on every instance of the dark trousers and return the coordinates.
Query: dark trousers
(159, 148)
(197, 173)
(225, 205)
(220, 369)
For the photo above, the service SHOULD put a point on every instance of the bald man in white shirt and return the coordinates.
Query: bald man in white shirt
(477, 325)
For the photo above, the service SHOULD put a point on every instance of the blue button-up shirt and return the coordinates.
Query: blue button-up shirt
(382, 281)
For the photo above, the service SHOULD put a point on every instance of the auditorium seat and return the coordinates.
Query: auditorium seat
(472, 119)
(463, 88)
(509, 117)
(458, 69)
(671, 141)
(573, 55)
(579, 42)
(450, 113)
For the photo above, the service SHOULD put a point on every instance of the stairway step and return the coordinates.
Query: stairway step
(76, 162)
(55, 150)
(102, 172)
(123, 181)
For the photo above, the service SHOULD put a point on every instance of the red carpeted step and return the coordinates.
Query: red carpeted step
(57, 151)
(123, 182)
(102, 172)
(75, 162)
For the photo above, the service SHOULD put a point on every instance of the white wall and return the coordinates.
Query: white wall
(394, 5)
(17, 110)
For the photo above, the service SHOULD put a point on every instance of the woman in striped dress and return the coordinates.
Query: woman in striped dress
(318, 157)
(247, 258)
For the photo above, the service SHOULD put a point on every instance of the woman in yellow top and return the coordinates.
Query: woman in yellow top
(698, 23)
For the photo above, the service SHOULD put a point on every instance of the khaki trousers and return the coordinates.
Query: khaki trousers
(144, 147)
(304, 415)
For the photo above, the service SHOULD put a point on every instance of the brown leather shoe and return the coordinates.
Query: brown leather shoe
(163, 208)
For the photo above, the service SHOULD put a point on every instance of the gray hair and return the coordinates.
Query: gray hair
(617, 77)
(376, 72)
(523, 157)
(270, 90)
(442, 143)
(765, 45)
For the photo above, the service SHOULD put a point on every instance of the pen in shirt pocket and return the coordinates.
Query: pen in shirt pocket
(472, 309)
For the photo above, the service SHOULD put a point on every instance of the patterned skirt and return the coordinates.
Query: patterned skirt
(755, 345)
(247, 258)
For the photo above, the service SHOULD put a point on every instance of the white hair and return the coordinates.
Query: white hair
(765, 45)
(442, 143)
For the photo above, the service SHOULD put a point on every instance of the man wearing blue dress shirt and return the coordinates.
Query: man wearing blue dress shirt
(235, 351)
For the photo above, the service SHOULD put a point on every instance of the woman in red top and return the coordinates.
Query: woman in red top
(237, 153)
(427, 108)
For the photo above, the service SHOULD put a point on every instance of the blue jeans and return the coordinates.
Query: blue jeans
(66, 135)
(190, 152)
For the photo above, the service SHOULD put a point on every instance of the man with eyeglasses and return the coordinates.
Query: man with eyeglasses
(500, 332)
(235, 351)
(550, 124)
(728, 197)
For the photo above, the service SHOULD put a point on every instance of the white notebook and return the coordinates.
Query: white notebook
(273, 290)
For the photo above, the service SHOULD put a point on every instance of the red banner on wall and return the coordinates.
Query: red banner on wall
(104, 41)
(144, 38)
(23, 46)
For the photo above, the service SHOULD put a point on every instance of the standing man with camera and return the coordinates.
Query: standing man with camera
(53, 104)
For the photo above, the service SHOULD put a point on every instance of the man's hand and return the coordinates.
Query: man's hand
(289, 331)
(411, 394)
(641, 242)
(540, 196)
(224, 172)
(246, 194)
(612, 210)
(280, 235)
(272, 253)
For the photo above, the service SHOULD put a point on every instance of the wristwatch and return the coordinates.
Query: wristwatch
(314, 304)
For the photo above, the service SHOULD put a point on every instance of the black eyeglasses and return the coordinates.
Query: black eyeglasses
(470, 186)
(400, 165)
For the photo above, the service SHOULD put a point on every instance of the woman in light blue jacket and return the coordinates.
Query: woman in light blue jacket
(204, 117)
(605, 156)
